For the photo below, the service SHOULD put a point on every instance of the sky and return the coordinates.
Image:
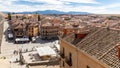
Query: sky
(91, 6)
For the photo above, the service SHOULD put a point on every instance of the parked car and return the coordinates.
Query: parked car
(22, 40)
(33, 39)
(10, 36)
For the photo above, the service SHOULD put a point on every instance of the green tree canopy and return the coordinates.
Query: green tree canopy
(9, 16)
(38, 17)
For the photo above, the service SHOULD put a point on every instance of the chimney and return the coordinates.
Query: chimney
(79, 35)
(77, 32)
(118, 52)
(65, 31)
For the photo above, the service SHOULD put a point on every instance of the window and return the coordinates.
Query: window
(15, 29)
(62, 54)
(63, 64)
(70, 57)
(87, 66)
(63, 51)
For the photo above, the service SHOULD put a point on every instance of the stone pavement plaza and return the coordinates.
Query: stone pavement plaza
(45, 66)
(7, 49)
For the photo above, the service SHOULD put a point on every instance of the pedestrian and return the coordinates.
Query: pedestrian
(14, 52)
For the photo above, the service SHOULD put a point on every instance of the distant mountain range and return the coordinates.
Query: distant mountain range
(50, 12)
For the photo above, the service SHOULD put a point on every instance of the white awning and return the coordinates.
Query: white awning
(45, 51)
(22, 39)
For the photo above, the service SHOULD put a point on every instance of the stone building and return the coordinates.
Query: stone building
(33, 29)
(24, 28)
(19, 29)
(49, 29)
(97, 48)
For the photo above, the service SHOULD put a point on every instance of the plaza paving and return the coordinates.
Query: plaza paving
(8, 47)
(45, 66)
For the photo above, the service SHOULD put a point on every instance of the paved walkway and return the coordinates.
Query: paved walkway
(7, 49)
(1, 32)
(45, 66)
(4, 63)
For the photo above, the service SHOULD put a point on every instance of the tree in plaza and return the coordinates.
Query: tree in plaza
(38, 17)
(16, 16)
(9, 16)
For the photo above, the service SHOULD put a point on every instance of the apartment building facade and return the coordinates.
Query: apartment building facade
(96, 49)
(49, 31)
(24, 29)
(33, 30)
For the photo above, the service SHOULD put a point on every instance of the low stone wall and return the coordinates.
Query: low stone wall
(1, 32)
(57, 62)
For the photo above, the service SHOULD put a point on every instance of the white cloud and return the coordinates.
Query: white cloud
(8, 6)
(64, 1)
(58, 5)
(6, 2)
(81, 1)
(115, 5)
(47, 1)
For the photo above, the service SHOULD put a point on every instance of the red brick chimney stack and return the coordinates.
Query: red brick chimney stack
(65, 31)
(118, 52)
(78, 35)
